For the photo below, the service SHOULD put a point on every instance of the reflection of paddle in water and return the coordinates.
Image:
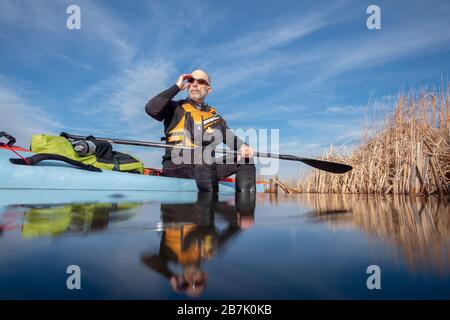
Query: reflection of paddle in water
(197, 238)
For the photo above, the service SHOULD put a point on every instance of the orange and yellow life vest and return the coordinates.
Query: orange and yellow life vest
(193, 122)
(193, 253)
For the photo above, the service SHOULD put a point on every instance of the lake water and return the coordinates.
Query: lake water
(189, 245)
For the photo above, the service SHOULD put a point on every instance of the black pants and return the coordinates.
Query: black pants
(187, 170)
(207, 176)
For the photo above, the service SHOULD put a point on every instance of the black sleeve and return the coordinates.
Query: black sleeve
(158, 264)
(160, 107)
(230, 232)
(228, 212)
(230, 139)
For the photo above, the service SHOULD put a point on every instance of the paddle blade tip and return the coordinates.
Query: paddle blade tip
(343, 168)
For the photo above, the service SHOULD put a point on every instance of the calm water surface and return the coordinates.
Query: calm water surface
(178, 246)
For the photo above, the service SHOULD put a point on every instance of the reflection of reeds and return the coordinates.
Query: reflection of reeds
(409, 154)
(419, 227)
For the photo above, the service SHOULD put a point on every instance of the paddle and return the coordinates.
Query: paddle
(318, 164)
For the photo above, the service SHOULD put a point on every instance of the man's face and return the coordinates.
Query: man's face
(197, 91)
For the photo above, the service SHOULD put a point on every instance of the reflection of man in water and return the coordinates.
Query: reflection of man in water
(191, 236)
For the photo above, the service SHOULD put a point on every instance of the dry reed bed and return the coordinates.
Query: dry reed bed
(408, 154)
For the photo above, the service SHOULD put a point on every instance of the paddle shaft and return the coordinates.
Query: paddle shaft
(169, 146)
(318, 164)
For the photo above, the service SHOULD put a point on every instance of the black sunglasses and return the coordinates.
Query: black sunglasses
(199, 81)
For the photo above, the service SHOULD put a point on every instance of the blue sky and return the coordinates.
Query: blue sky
(307, 68)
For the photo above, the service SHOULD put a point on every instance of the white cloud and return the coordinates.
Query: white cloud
(330, 131)
(274, 36)
(260, 112)
(120, 100)
(243, 66)
(139, 83)
(42, 24)
(236, 115)
(101, 26)
(386, 46)
(40, 16)
(255, 53)
(347, 110)
(22, 118)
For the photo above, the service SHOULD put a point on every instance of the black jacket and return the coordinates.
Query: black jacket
(162, 107)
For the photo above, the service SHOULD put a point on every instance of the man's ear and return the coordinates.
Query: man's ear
(209, 90)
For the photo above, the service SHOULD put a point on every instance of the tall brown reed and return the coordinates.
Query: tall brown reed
(408, 154)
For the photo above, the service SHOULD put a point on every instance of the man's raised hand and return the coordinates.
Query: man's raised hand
(180, 82)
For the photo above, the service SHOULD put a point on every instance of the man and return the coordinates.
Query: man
(193, 123)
